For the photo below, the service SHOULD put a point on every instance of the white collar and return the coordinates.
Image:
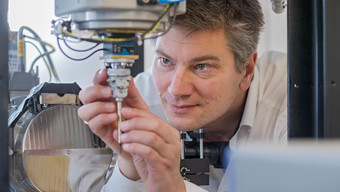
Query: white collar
(249, 112)
(248, 116)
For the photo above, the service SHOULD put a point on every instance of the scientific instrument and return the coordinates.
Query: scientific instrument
(120, 26)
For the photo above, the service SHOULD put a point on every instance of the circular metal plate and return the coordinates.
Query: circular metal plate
(60, 153)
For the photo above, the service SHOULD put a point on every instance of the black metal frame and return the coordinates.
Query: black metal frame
(4, 96)
(305, 54)
(313, 82)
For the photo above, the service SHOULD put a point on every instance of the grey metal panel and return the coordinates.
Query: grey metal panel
(4, 96)
(332, 62)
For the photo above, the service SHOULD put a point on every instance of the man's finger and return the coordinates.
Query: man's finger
(129, 113)
(100, 78)
(101, 123)
(134, 99)
(89, 111)
(146, 152)
(147, 138)
(95, 93)
(157, 126)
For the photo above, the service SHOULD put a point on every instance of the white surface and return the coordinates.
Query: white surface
(38, 14)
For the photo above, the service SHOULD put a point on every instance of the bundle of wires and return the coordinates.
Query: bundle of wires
(66, 33)
(45, 55)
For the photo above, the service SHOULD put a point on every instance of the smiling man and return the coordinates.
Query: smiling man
(198, 82)
(205, 75)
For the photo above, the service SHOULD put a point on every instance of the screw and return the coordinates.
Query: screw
(333, 83)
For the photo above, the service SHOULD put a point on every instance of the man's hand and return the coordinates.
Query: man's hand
(99, 111)
(151, 148)
(155, 147)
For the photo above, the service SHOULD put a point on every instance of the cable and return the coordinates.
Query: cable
(43, 46)
(77, 50)
(111, 40)
(170, 26)
(40, 56)
(36, 47)
(41, 42)
(37, 58)
(159, 20)
(152, 29)
(75, 59)
(71, 41)
(49, 67)
(97, 40)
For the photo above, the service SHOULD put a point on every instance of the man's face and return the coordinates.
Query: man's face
(196, 78)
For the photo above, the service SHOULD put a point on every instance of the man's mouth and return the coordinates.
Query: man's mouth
(181, 108)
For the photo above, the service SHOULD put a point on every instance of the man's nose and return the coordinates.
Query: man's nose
(181, 83)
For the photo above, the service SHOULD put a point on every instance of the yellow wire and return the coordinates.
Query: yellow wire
(159, 22)
(100, 39)
(50, 45)
(115, 39)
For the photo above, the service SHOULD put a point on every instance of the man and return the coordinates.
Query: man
(202, 71)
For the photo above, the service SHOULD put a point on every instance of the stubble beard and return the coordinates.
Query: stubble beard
(184, 123)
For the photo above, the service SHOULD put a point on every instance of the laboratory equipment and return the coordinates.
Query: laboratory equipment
(119, 25)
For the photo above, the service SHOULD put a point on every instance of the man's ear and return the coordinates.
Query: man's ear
(248, 72)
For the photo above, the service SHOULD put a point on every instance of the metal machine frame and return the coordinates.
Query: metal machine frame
(313, 52)
(4, 96)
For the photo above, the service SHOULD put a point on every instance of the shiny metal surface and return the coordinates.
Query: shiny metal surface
(58, 127)
(116, 14)
(56, 151)
(112, 14)
(115, 20)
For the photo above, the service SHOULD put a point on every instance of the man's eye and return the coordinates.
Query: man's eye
(202, 67)
(165, 61)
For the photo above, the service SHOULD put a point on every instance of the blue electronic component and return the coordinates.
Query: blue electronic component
(121, 48)
(169, 1)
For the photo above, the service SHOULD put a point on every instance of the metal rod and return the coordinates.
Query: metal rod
(119, 108)
(201, 143)
(182, 143)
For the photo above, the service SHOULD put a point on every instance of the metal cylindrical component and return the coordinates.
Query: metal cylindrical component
(119, 81)
(201, 143)
(182, 143)
(278, 6)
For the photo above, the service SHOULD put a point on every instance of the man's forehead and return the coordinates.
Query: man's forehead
(196, 59)
(182, 36)
(197, 40)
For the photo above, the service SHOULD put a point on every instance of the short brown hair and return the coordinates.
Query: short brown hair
(242, 21)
